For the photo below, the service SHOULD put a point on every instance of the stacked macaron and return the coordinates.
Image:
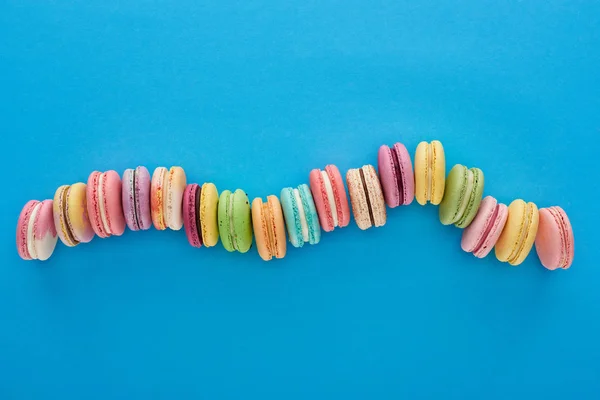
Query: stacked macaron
(108, 203)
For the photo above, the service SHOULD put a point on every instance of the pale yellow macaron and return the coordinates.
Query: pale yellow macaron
(209, 202)
(519, 233)
(430, 172)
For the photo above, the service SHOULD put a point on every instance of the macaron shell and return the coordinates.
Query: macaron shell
(319, 193)
(438, 180)
(224, 221)
(190, 217)
(375, 195)
(60, 219)
(387, 175)
(209, 201)
(292, 218)
(310, 212)
(176, 183)
(128, 196)
(421, 177)
(113, 202)
(22, 227)
(455, 191)
(157, 198)
(45, 235)
(358, 199)
(339, 193)
(142, 187)
(484, 231)
(78, 218)
(269, 229)
(408, 176)
(93, 205)
(242, 221)
(554, 242)
(474, 200)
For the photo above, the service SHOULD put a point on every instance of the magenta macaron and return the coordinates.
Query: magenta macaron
(482, 234)
(36, 233)
(191, 219)
(104, 203)
(136, 198)
(554, 243)
(396, 175)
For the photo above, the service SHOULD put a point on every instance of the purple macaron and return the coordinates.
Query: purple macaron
(136, 198)
(396, 175)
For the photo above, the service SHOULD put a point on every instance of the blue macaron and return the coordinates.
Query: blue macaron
(300, 215)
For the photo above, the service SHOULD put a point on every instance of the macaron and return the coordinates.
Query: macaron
(462, 197)
(430, 172)
(166, 198)
(330, 198)
(71, 218)
(366, 196)
(209, 202)
(136, 198)
(554, 242)
(104, 203)
(191, 215)
(519, 233)
(36, 233)
(300, 215)
(483, 233)
(396, 175)
(235, 221)
(269, 228)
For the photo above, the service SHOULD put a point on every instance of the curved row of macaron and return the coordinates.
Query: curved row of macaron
(108, 203)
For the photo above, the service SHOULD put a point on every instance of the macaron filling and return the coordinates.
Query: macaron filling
(302, 215)
(465, 195)
(102, 204)
(330, 197)
(488, 229)
(367, 197)
(398, 173)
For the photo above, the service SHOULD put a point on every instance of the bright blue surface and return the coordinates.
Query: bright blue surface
(255, 96)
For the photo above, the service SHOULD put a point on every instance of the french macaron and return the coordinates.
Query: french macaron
(269, 228)
(301, 216)
(235, 221)
(554, 242)
(36, 233)
(329, 194)
(483, 233)
(462, 196)
(71, 218)
(396, 175)
(200, 205)
(519, 233)
(104, 203)
(166, 198)
(366, 197)
(136, 198)
(430, 172)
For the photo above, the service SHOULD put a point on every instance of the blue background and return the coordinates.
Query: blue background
(254, 95)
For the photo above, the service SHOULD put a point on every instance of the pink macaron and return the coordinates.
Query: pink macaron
(36, 233)
(104, 203)
(396, 175)
(482, 234)
(329, 194)
(554, 242)
(191, 219)
(136, 198)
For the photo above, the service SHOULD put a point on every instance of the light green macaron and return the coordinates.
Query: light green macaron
(462, 196)
(235, 221)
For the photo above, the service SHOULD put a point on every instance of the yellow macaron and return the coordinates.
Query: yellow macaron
(519, 233)
(430, 172)
(209, 202)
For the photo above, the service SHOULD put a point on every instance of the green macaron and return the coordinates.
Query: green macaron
(462, 196)
(235, 221)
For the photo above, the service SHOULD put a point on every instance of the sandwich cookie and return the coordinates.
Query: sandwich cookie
(396, 175)
(235, 222)
(330, 199)
(366, 197)
(136, 198)
(462, 197)
(166, 198)
(554, 242)
(483, 233)
(104, 203)
(71, 218)
(269, 228)
(430, 172)
(200, 214)
(519, 233)
(36, 233)
(301, 216)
